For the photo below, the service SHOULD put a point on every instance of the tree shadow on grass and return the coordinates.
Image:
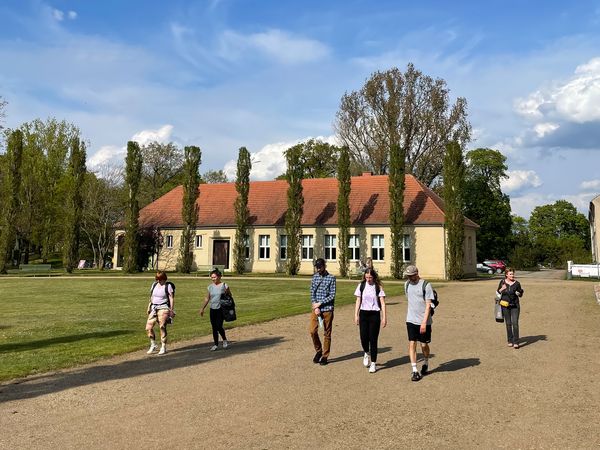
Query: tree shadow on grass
(456, 364)
(190, 355)
(34, 345)
(527, 340)
(355, 355)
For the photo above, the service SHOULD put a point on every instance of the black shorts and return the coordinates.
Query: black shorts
(414, 333)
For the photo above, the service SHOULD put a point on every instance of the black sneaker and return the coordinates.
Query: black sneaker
(416, 376)
(317, 357)
(323, 361)
(424, 370)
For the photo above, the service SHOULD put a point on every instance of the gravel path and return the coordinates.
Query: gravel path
(265, 392)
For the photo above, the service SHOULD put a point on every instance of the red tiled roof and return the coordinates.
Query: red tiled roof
(369, 203)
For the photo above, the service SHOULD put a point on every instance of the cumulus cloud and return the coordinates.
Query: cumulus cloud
(162, 135)
(59, 15)
(519, 179)
(269, 162)
(592, 185)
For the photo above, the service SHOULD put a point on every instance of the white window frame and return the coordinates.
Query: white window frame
(406, 250)
(283, 246)
(330, 246)
(308, 247)
(264, 247)
(354, 247)
(169, 240)
(377, 247)
(198, 241)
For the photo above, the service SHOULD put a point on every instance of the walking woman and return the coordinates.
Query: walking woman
(510, 290)
(370, 315)
(160, 310)
(216, 313)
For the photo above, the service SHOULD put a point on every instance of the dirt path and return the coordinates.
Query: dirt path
(265, 392)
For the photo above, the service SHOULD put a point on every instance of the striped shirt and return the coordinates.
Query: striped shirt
(322, 290)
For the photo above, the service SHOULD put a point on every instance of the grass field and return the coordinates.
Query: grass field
(51, 323)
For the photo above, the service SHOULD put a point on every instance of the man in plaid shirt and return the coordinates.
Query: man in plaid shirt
(322, 298)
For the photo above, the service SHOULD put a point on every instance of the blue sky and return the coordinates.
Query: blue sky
(223, 74)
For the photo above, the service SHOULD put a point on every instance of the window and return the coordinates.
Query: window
(246, 246)
(353, 248)
(198, 241)
(330, 247)
(307, 246)
(469, 250)
(377, 247)
(264, 246)
(283, 246)
(406, 248)
(169, 241)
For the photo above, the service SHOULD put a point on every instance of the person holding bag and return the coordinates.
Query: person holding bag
(370, 315)
(215, 290)
(510, 291)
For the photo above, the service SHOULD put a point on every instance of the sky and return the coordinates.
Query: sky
(222, 74)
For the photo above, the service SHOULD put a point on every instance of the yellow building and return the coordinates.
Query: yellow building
(424, 242)
(594, 218)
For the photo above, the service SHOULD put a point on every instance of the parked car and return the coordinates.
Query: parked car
(484, 269)
(496, 265)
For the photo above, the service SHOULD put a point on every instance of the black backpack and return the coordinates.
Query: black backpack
(363, 283)
(434, 303)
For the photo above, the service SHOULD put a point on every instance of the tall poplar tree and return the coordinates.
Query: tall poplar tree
(133, 175)
(74, 204)
(295, 203)
(343, 207)
(242, 213)
(12, 185)
(396, 190)
(453, 193)
(189, 208)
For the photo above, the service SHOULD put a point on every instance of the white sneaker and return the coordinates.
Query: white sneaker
(225, 344)
(366, 360)
(163, 350)
(213, 348)
(373, 368)
(152, 349)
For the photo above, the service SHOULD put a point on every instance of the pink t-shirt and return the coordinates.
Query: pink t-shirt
(369, 297)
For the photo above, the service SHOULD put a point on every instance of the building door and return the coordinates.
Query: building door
(221, 253)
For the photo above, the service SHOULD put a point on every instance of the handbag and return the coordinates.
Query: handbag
(498, 312)
(228, 306)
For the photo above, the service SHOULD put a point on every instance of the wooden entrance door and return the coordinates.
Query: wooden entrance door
(221, 253)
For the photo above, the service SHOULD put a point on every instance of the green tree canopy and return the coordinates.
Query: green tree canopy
(213, 177)
(161, 170)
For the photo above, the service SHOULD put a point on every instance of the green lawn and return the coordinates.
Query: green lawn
(50, 323)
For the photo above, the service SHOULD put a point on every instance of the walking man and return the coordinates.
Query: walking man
(322, 298)
(419, 294)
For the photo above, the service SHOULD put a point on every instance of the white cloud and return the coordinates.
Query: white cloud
(593, 185)
(58, 15)
(108, 154)
(518, 179)
(162, 135)
(72, 15)
(542, 129)
(269, 162)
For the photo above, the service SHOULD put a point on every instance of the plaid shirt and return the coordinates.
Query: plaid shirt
(322, 290)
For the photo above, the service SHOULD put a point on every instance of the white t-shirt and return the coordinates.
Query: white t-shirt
(369, 297)
(416, 304)
(159, 295)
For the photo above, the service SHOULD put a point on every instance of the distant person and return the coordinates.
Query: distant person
(419, 294)
(361, 266)
(370, 315)
(213, 296)
(160, 310)
(510, 291)
(369, 263)
(322, 298)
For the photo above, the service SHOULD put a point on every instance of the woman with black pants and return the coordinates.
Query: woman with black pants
(370, 315)
(510, 290)
(216, 313)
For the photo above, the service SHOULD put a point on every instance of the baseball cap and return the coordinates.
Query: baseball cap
(410, 271)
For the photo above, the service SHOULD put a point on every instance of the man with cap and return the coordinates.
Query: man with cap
(418, 319)
(322, 298)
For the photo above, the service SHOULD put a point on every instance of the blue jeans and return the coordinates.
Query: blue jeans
(511, 319)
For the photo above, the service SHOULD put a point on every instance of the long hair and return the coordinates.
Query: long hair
(373, 273)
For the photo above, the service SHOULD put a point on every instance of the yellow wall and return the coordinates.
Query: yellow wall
(427, 249)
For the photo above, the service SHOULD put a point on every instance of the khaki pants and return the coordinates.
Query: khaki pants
(314, 332)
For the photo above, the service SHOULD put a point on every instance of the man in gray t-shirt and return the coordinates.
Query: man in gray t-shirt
(418, 319)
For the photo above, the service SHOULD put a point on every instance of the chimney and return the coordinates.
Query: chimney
(367, 174)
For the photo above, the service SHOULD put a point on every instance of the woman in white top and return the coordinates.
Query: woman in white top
(370, 315)
(160, 310)
(213, 296)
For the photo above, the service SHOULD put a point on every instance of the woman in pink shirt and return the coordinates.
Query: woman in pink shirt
(370, 315)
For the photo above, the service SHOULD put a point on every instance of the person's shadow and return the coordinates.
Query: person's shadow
(356, 355)
(527, 340)
(456, 364)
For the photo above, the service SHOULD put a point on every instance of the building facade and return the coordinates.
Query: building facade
(424, 240)
(594, 219)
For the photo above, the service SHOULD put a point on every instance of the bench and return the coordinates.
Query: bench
(31, 269)
(207, 268)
